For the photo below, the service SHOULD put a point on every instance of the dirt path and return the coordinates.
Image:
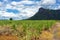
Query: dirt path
(56, 31)
(52, 34)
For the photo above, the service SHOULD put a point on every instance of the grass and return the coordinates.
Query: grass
(27, 29)
(37, 24)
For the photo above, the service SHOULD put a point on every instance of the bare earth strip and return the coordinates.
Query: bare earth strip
(4, 37)
(52, 34)
(56, 31)
(6, 33)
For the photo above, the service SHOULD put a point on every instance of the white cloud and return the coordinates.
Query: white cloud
(56, 8)
(25, 11)
(0, 4)
(27, 2)
(8, 6)
(14, 3)
(48, 2)
(6, 14)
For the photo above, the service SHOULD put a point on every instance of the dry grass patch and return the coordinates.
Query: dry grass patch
(46, 35)
(10, 37)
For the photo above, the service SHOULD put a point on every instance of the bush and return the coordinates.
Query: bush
(11, 18)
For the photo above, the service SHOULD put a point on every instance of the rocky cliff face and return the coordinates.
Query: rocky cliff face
(46, 14)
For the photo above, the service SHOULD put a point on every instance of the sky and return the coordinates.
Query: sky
(23, 9)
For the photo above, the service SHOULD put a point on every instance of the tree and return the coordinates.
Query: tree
(11, 19)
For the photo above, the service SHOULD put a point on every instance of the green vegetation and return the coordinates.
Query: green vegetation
(26, 29)
(11, 18)
(37, 24)
(27, 24)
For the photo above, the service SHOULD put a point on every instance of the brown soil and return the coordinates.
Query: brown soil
(56, 31)
(10, 37)
(6, 33)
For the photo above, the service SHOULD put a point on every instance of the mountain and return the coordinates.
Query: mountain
(46, 14)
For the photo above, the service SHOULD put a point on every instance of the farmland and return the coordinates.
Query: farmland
(27, 29)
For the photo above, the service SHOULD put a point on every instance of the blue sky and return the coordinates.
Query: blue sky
(23, 9)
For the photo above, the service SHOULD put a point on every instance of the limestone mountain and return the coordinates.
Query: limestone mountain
(46, 14)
